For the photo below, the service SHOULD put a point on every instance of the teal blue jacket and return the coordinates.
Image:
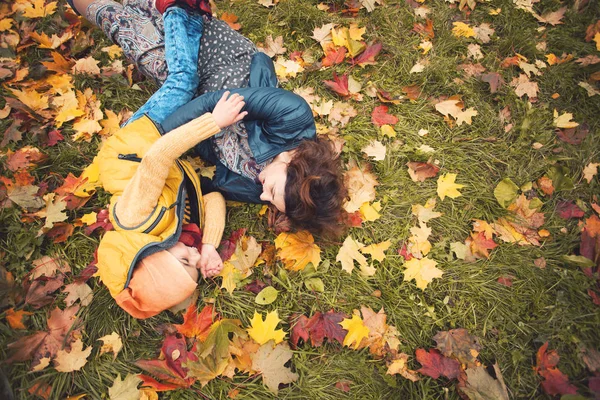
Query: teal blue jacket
(277, 121)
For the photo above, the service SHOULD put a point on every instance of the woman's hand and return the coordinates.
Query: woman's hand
(227, 110)
(210, 261)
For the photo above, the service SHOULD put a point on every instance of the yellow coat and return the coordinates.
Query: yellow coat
(118, 161)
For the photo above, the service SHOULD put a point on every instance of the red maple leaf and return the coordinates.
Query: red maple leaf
(196, 324)
(573, 135)
(403, 251)
(299, 330)
(334, 56)
(480, 245)
(45, 343)
(425, 29)
(555, 382)
(380, 117)
(167, 369)
(227, 247)
(54, 137)
(367, 57)
(436, 365)
(326, 326)
(40, 290)
(60, 232)
(339, 84)
(102, 221)
(568, 209)
(506, 280)
(354, 219)
(412, 92)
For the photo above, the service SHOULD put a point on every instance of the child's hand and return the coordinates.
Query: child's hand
(227, 110)
(210, 261)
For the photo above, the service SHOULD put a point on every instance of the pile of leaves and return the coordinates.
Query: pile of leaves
(468, 136)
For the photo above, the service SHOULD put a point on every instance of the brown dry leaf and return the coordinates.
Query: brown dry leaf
(419, 171)
(552, 18)
(399, 365)
(111, 344)
(483, 32)
(231, 20)
(78, 291)
(73, 360)
(459, 344)
(523, 86)
(47, 266)
(590, 171)
(341, 113)
(375, 149)
(87, 65)
(273, 47)
(360, 183)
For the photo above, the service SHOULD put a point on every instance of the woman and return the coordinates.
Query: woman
(273, 155)
(150, 261)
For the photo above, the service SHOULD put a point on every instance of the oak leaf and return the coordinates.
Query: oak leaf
(423, 271)
(297, 250)
(270, 361)
(263, 331)
(357, 331)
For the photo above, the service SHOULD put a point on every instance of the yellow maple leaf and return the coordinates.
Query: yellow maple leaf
(87, 65)
(423, 271)
(263, 331)
(462, 29)
(111, 344)
(447, 187)
(356, 33)
(425, 213)
(419, 245)
(61, 83)
(388, 130)
(32, 99)
(68, 108)
(564, 120)
(230, 277)
(6, 24)
(89, 218)
(377, 250)
(113, 51)
(37, 9)
(297, 250)
(349, 252)
(452, 106)
(357, 331)
(370, 212)
(91, 175)
(111, 124)
(50, 42)
(482, 226)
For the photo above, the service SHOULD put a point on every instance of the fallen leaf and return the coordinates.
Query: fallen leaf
(323, 326)
(360, 183)
(555, 382)
(523, 86)
(111, 344)
(73, 360)
(263, 331)
(380, 117)
(168, 368)
(425, 213)
(231, 20)
(399, 365)
(590, 171)
(462, 30)
(375, 149)
(78, 291)
(349, 252)
(297, 250)
(270, 362)
(423, 271)
(434, 364)
(552, 18)
(357, 331)
(195, 324)
(480, 385)
(15, 318)
(458, 343)
(564, 120)
(125, 389)
(419, 171)
(38, 9)
(447, 187)
(494, 79)
(377, 250)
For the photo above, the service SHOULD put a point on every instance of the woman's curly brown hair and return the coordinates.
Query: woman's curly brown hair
(314, 190)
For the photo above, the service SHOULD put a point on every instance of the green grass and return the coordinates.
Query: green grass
(548, 304)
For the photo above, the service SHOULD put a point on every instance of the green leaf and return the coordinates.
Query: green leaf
(506, 192)
(315, 284)
(579, 261)
(266, 296)
(559, 177)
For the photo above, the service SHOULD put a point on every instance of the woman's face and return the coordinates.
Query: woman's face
(273, 179)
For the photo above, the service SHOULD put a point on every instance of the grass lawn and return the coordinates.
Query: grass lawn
(514, 289)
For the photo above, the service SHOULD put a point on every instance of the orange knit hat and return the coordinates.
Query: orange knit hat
(159, 282)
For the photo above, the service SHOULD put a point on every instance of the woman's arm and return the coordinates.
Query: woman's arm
(143, 190)
(214, 218)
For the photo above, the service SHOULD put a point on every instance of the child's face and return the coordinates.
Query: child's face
(189, 257)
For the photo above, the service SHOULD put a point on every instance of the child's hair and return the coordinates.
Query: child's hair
(314, 190)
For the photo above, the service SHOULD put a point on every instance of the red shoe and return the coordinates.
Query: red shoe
(203, 6)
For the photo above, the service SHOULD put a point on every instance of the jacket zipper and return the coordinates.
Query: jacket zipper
(129, 157)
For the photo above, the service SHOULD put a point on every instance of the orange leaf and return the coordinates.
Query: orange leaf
(196, 324)
(231, 20)
(59, 63)
(333, 56)
(15, 318)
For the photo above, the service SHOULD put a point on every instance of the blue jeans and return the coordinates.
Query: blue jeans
(182, 44)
